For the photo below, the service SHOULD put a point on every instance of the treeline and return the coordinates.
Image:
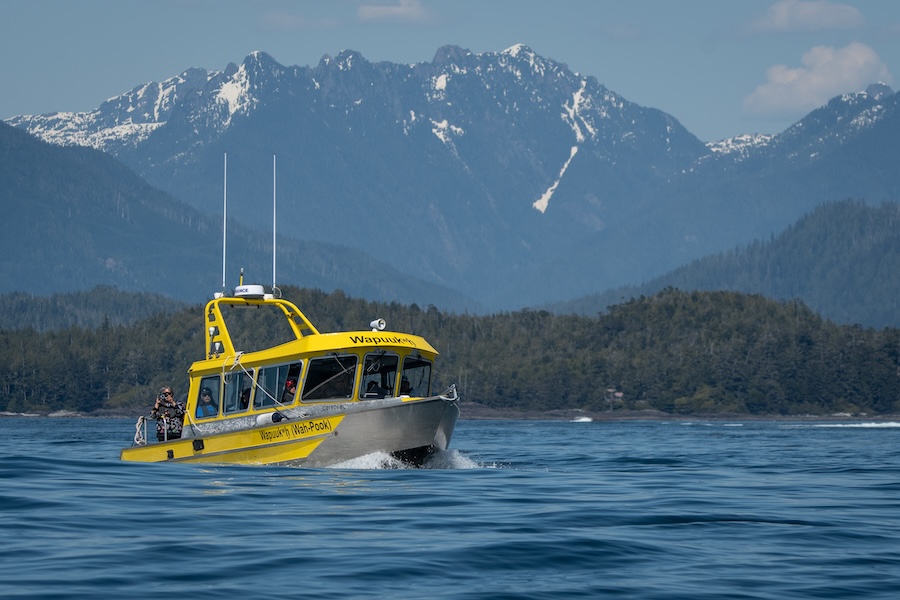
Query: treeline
(677, 352)
(91, 309)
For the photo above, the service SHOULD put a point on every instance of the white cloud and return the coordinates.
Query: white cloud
(403, 10)
(826, 72)
(808, 15)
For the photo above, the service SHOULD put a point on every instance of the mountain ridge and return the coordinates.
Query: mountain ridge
(77, 218)
(502, 174)
(842, 260)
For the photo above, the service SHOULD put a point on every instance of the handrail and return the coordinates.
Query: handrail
(140, 432)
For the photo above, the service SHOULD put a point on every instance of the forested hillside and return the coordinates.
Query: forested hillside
(842, 260)
(103, 304)
(683, 353)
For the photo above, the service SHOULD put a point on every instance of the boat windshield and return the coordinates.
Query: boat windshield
(415, 380)
(379, 375)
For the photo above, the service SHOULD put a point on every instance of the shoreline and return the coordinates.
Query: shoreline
(480, 412)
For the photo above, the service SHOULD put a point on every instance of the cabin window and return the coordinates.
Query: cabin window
(208, 398)
(379, 375)
(330, 377)
(238, 390)
(415, 379)
(273, 387)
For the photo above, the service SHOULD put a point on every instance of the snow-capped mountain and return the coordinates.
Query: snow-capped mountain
(425, 96)
(129, 119)
(502, 173)
(843, 118)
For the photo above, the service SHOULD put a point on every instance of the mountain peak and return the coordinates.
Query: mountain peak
(517, 50)
(258, 58)
(521, 54)
(879, 90)
(450, 55)
(346, 60)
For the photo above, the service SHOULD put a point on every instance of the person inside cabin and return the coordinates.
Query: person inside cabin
(290, 388)
(169, 415)
(207, 407)
(405, 390)
(339, 386)
(373, 390)
(245, 398)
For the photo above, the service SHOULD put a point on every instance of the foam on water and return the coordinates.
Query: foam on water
(375, 460)
(450, 459)
(446, 459)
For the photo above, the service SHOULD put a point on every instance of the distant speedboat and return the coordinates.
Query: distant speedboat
(582, 420)
(315, 399)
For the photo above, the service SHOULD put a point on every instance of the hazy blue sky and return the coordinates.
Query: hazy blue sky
(721, 67)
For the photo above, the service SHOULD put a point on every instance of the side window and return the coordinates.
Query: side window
(238, 389)
(379, 375)
(276, 385)
(415, 380)
(208, 397)
(330, 377)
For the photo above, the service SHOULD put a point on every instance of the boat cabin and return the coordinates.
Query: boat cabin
(304, 367)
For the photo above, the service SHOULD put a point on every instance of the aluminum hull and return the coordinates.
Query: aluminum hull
(317, 436)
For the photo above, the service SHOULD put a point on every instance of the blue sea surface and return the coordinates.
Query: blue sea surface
(517, 509)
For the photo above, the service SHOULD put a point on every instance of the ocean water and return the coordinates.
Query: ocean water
(517, 509)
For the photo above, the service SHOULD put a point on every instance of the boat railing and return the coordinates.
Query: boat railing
(450, 394)
(140, 432)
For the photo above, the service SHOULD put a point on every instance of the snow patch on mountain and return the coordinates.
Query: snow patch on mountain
(81, 129)
(445, 132)
(575, 112)
(740, 144)
(438, 89)
(235, 95)
(543, 202)
(868, 117)
(408, 123)
(523, 54)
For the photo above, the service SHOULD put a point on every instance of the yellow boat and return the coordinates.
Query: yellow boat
(354, 393)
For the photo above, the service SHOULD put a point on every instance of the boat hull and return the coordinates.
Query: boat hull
(315, 436)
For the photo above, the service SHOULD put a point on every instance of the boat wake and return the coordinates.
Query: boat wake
(373, 461)
(443, 459)
(450, 459)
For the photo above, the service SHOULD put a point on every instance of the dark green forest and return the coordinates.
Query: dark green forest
(676, 352)
(842, 260)
(92, 308)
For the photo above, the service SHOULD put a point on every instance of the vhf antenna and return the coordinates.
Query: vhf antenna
(224, 218)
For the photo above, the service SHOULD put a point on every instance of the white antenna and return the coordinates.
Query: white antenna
(274, 221)
(224, 219)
